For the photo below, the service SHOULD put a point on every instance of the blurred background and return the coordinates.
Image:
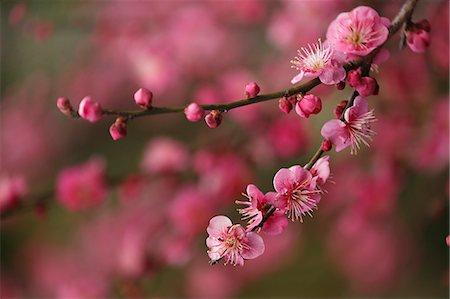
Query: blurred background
(89, 217)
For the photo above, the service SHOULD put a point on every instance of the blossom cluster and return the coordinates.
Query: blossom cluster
(297, 193)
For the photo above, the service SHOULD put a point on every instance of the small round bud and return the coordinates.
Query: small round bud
(213, 119)
(194, 112)
(326, 145)
(118, 129)
(252, 89)
(340, 85)
(143, 97)
(339, 109)
(285, 105)
(65, 106)
(90, 110)
(309, 104)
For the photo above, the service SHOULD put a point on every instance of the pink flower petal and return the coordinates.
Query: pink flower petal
(282, 180)
(217, 225)
(256, 246)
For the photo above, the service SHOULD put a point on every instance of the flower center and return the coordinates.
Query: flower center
(231, 242)
(313, 58)
(357, 38)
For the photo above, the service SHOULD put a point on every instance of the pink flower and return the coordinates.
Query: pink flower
(232, 242)
(11, 189)
(358, 32)
(309, 104)
(297, 194)
(252, 89)
(83, 186)
(90, 110)
(354, 130)
(194, 112)
(318, 61)
(258, 207)
(163, 155)
(143, 97)
(118, 129)
(321, 170)
(418, 36)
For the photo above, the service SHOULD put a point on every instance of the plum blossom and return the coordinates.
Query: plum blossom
(297, 194)
(318, 60)
(358, 32)
(353, 130)
(82, 186)
(232, 242)
(258, 206)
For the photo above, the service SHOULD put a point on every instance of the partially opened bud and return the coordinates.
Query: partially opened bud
(418, 36)
(213, 119)
(194, 112)
(285, 105)
(143, 97)
(252, 89)
(118, 129)
(90, 110)
(65, 106)
(309, 104)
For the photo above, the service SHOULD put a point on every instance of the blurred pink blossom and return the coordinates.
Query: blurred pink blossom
(83, 186)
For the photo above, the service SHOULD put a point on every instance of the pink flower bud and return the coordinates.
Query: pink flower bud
(339, 109)
(368, 86)
(340, 85)
(213, 119)
(326, 145)
(354, 77)
(252, 89)
(118, 129)
(194, 112)
(65, 106)
(285, 105)
(447, 240)
(143, 97)
(418, 41)
(90, 110)
(309, 104)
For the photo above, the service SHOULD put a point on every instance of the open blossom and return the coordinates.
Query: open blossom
(318, 61)
(83, 186)
(297, 194)
(354, 130)
(232, 242)
(258, 206)
(358, 32)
